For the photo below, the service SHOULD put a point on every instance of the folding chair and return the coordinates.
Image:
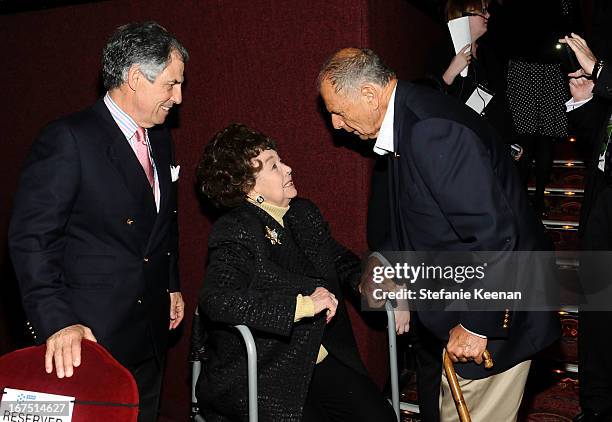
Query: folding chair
(252, 365)
(393, 371)
(197, 349)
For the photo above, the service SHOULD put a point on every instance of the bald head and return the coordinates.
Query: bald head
(347, 69)
(356, 87)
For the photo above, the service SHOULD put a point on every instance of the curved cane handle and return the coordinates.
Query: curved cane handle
(488, 360)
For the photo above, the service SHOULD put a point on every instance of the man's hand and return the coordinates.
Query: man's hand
(324, 299)
(402, 314)
(367, 285)
(581, 89)
(177, 309)
(64, 347)
(463, 346)
(585, 56)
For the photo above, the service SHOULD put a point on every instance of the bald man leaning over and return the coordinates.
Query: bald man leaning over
(438, 151)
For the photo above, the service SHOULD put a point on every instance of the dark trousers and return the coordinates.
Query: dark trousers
(338, 393)
(148, 375)
(595, 362)
(427, 351)
(594, 340)
(540, 148)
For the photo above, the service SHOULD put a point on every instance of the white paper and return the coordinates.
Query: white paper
(478, 100)
(460, 33)
(34, 406)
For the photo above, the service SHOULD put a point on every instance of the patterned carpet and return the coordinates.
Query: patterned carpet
(551, 396)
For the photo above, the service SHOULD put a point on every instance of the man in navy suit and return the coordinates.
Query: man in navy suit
(94, 236)
(451, 187)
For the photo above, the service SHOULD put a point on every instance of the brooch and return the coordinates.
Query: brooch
(273, 236)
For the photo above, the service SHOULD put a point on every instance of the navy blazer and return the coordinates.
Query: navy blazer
(87, 244)
(453, 187)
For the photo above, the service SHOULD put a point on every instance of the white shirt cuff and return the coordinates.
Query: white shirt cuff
(471, 332)
(573, 104)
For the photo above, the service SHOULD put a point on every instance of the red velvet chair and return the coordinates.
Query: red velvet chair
(103, 389)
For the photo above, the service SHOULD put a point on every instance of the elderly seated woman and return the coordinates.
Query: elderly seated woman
(274, 266)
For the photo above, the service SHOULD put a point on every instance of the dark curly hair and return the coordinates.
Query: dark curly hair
(225, 173)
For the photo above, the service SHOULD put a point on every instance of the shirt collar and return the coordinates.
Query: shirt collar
(384, 141)
(127, 125)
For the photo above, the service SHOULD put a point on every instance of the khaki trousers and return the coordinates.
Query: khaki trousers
(496, 398)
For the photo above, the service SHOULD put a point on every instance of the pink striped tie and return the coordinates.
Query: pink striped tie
(142, 152)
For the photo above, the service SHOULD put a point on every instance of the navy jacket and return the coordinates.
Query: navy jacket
(453, 187)
(87, 244)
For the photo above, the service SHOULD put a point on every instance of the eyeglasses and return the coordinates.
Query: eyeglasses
(482, 13)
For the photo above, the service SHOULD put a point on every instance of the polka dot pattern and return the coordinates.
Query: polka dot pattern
(566, 7)
(537, 94)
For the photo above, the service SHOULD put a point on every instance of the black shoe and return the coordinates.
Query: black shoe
(591, 416)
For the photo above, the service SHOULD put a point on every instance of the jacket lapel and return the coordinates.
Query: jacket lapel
(394, 170)
(162, 160)
(290, 245)
(160, 151)
(123, 159)
(403, 120)
(308, 244)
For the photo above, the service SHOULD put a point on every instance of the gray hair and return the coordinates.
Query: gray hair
(349, 68)
(147, 44)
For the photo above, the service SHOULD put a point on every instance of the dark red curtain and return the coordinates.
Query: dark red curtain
(251, 62)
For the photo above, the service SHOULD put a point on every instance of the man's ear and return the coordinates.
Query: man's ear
(134, 76)
(369, 93)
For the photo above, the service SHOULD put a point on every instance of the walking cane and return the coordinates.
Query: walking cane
(462, 409)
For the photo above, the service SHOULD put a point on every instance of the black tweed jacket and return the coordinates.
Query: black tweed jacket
(254, 280)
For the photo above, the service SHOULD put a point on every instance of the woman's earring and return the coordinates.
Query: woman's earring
(259, 199)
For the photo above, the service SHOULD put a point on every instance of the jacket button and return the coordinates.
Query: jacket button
(169, 253)
(129, 221)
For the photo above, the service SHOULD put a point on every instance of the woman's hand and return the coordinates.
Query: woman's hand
(585, 56)
(324, 299)
(459, 62)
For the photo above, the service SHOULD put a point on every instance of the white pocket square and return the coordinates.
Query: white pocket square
(174, 172)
